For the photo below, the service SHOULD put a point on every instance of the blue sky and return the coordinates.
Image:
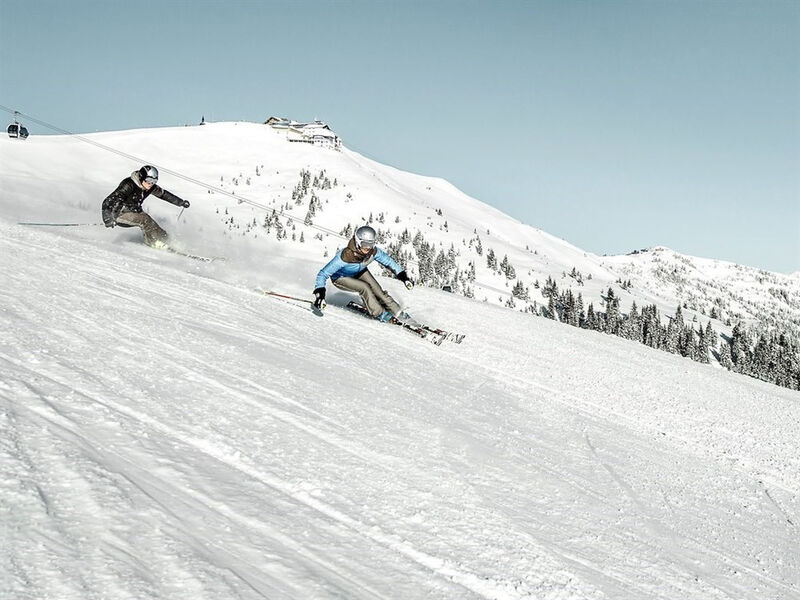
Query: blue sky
(614, 125)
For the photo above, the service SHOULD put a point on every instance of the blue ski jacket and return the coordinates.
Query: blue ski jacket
(338, 267)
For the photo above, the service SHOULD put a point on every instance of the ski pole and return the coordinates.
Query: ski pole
(60, 224)
(277, 295)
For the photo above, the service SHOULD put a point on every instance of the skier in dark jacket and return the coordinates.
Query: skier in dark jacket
(123, 206)
(348, 271)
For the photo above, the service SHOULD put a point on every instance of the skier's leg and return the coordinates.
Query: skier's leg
(380, 294)
(351, 284)
(153, 233)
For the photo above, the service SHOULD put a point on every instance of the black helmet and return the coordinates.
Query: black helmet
(365, 237)
(148, 174)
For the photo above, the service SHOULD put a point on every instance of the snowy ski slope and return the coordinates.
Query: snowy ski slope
(168, 432)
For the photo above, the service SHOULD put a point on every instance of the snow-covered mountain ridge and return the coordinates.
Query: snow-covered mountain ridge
(728, 291)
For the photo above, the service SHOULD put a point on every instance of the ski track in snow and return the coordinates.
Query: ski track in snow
(167, 435)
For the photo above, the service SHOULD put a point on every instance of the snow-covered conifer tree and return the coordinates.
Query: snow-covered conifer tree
(491, 260)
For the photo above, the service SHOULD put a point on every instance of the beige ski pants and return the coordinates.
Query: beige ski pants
(375, 298)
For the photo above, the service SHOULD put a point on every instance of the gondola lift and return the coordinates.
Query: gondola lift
(17, 130)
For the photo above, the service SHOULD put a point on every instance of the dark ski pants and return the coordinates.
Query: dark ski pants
(151, 230)
(375, 298)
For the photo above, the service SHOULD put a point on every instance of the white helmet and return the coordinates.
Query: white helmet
(149, 174)
(365, 237)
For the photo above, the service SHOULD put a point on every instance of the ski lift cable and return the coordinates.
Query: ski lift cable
(179, 175)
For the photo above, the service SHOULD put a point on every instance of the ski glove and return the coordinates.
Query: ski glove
(185, 204)
(403, 276)
(319, 295)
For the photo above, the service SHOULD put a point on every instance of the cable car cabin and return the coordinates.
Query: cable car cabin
(15, 130)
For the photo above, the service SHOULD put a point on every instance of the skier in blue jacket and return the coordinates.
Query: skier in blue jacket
(348, 271)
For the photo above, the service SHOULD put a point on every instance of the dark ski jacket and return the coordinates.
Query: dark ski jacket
(129, 196)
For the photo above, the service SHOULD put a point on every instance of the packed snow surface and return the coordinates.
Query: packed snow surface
(167, 431)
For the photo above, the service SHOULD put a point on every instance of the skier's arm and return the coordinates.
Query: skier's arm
(325, 273)
(111, 206)
(388, 261)
(398, 271)
(167, 196)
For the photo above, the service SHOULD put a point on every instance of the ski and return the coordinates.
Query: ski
(456, 338)
(426, 333)
(193, 256)
(434, 339)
